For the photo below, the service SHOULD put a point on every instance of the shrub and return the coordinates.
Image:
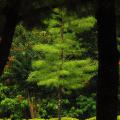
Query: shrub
(64, 118)
(14, 107)
(85, 107)
(93, 118)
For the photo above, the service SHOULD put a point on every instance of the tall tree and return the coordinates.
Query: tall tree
(107, 84)
(61, 63)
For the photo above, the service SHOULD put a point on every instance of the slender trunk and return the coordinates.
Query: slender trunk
(59, 103)
(61, 66)
(32, 107)
(6, 38)
(107, 84)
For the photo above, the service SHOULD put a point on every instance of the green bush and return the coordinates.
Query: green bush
(85, 107)
(37, 119)
(118, 117)
(46, 108)
(64, 118)
(13, 106)
(93, 118)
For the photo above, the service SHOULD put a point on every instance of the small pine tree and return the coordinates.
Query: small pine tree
(60, 61)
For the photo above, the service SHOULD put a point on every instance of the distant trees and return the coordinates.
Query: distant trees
(12, 13)
(49, 36)
(13, 78)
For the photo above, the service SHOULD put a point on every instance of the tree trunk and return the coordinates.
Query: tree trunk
(6, 38)
(107, 84)
(62, 62)
(33, 108)
(59, 103)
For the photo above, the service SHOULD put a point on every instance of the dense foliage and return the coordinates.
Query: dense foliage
(61, 53)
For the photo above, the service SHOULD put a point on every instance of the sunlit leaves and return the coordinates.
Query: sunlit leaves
(45, 48)
(61, 61)
(39, 64)
(84, 24)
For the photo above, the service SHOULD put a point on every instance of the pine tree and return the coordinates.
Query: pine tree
(60, 62)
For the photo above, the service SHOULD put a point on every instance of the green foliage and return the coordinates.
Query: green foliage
(38, 59)
(83, 107)
(47, 108)
(118, 40)
(64, 118)
(94, 118)
(84, 24)
(3, 90)
(45, 48)
(86, 106)
(74, 72)
(14, 106)
(13, 82)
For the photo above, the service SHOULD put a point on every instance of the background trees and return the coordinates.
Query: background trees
(29, 11)
(26, 52)
(11, 16)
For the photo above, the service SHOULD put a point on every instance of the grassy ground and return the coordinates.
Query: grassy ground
(64, 118)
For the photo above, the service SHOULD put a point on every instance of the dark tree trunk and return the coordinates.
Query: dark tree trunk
(107, 84)
(6, 38)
